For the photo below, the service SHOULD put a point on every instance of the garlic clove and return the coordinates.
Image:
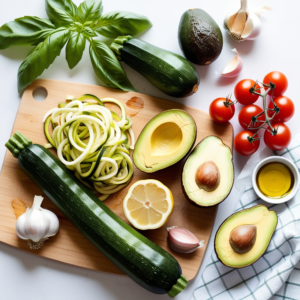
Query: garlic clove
(37, 224)
(252, 27)
(182, 240)
(234, 67)
(237, 21)
(53, 223)
(20, 226)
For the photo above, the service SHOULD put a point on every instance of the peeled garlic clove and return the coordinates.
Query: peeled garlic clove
(234, 67)
(182, 240)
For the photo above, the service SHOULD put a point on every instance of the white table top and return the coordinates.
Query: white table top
(25, 276)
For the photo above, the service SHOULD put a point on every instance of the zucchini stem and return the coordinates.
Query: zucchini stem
(17, 143)
(178, 287)
(118, 44)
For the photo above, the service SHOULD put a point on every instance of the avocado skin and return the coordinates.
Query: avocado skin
(200, 37)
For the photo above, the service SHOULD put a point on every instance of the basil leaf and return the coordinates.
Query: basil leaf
(121, 23)
(61, 12)
(90, 10)
(41, 57)
(25, 31)
(75, 48)
(107, 67)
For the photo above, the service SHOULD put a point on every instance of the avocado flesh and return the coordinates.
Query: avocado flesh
(200, 37)
(265, 221)
(209, 149)
(164, 141)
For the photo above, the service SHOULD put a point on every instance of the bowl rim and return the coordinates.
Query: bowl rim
(285, 161)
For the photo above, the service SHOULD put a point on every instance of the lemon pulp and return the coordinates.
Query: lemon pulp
(148, 204)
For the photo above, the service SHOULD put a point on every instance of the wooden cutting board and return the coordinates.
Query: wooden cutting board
(69, 245)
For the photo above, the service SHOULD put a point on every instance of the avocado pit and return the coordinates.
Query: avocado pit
(242, 238)
(208, 176)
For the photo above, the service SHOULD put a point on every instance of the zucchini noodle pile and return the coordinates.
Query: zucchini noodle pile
(93, 142)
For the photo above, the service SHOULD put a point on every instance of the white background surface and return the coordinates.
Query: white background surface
(24, 276)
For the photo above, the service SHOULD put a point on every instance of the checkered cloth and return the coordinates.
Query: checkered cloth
(276, 275)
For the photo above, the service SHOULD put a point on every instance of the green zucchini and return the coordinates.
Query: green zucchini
(145, 262)
(169, 72)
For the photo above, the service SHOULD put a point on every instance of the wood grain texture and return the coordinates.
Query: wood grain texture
(69, 245)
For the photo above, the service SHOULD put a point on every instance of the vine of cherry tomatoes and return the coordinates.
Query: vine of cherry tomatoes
(272, 117)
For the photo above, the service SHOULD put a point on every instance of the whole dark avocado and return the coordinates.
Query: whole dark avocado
(200, 37)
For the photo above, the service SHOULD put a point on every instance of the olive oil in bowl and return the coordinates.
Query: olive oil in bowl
(275, 180)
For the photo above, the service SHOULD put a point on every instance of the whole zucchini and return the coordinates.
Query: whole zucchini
(169, 72)
(145, 262)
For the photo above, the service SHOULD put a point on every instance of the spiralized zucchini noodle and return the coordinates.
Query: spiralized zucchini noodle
(93, 142)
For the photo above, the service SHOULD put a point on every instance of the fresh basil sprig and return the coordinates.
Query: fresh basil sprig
(72, 26)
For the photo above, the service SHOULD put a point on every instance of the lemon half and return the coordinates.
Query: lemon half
(148, 204)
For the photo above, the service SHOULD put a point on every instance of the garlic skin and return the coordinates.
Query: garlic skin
(245, 24)
(234, 67)
(37, 224)
(182, 240)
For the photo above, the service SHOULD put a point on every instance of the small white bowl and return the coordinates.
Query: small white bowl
(292, 167)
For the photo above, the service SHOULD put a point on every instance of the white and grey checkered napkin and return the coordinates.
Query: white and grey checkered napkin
(276, 275)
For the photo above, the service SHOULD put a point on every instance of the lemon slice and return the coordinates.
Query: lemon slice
(148, 204)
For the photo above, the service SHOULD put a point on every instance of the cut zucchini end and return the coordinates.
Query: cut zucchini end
(17, 143)
(178, 287)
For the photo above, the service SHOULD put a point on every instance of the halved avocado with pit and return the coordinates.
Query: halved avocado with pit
(165, 140)
(208, 174)
(265, 222)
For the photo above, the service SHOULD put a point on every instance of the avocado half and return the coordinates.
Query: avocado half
(200, 37)
(165, 140)
(210, 149)
(265, 221)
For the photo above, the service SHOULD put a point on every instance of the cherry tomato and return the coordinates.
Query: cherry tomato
(279, 80)
(247, 117)
(243, 146)
(221, 110)
(286, 107)
(280, 140)
(242, 92)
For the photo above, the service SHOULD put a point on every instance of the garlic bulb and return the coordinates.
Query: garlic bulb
(37, 224)
(234, 67)
(245, 24)
(182, 240)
